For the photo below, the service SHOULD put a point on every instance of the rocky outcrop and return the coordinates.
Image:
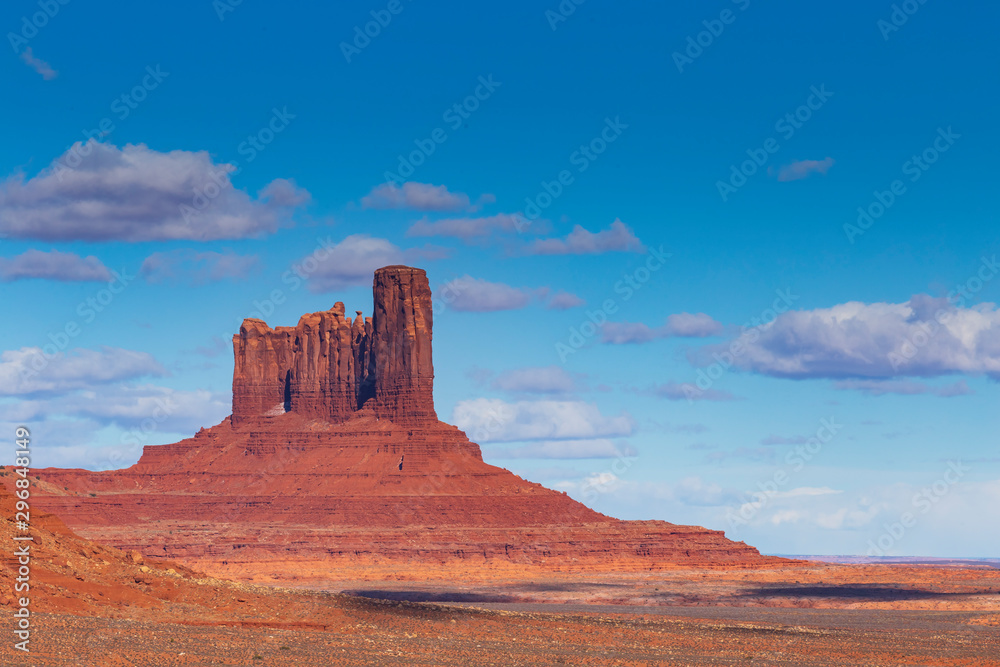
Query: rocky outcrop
(334, 459)
(329, 366)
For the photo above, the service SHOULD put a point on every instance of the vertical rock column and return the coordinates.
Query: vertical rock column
(323, 383)
(261, 372)
(401, 346)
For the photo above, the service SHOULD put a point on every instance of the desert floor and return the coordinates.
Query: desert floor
(812, 615)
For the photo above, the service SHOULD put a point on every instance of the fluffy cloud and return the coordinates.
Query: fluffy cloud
(30, 371)
(480, 296)
(354, 260)
(494, 420)
(98, 192)
(77, 428)
(804, 168)
(415, 196)
(696, 325)
(196, 267)
(53, 265)
(923, 337)
(600, 448)
(75, 401)
(40, 66)
(616, 238)
(689, 491)
(545, 380)
(679, 325)
(564, 301)
(130, 406)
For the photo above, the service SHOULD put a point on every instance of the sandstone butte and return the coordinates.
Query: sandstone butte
(334, 464)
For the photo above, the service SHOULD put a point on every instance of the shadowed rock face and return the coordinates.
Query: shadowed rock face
(330, 366)
(334, 460)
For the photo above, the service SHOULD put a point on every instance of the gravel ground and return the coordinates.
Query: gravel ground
(417, 634)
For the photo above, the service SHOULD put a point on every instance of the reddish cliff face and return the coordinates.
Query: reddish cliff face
(330, 366)
(401, 346)
(334, 459)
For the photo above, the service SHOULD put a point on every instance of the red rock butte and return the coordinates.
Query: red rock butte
(334, 461)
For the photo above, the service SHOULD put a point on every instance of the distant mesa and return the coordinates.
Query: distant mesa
(334, 465)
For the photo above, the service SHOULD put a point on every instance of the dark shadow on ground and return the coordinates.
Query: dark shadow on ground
(428, 596)
(848, 591)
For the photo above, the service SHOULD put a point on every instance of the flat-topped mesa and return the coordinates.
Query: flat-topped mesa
(330, 367)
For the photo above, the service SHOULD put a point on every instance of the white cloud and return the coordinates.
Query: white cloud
(105, 427)
(98, 192)
(494, 420)
(53, 265)
(481, 296)
(875, 341)
(30, 370)
(192, 266)
(692, 325)
(678, 325)
(544, 380)
(353, 261)
(616, 238)
(128, 406)
(415, 196)
(564, 301)
(600, 448)
(39, 65)
(804, 168)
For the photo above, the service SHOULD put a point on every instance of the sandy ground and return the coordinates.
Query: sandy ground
(814, 615)
(408, 634)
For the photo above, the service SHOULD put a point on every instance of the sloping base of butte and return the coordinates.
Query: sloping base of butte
(334, 463)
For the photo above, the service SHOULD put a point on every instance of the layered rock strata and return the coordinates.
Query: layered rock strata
(330, 366)
(334, 459)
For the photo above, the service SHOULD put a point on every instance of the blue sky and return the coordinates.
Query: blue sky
(644, 128)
